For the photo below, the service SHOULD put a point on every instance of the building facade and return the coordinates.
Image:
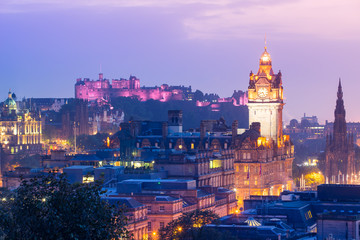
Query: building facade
(340, 153)
(263, 155)
(20, 129)
(266, 99)
(102, 89)
(168, 199)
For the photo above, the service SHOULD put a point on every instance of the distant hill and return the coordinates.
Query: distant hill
(192, 115)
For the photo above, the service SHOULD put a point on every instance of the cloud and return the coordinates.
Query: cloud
(322, 18)
(230, 19)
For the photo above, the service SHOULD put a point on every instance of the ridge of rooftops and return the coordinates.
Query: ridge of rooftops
(156, 180)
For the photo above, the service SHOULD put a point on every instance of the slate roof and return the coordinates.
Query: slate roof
(127, 201)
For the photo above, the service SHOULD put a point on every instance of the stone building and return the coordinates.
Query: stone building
(167, 199)
(75, 119)
(20, 129)
(256, 162)
(263, 155)
(266, 99)
(206, 167)
(340, 153)
(102, 89)
(136, 214)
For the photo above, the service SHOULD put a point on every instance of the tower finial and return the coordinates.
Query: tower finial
(265, 42)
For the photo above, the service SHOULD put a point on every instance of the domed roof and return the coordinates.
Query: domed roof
(10, 103)
(265, 58)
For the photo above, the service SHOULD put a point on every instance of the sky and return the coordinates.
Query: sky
(45, 45)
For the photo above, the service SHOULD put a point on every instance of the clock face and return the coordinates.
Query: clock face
(262, 92)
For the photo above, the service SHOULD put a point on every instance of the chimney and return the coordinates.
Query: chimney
(164, 129)
(256, 126)
(202, 130)
(234, 128)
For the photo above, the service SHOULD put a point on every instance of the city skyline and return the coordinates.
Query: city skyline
(47, 45)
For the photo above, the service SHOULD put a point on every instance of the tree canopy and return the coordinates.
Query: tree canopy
(49, 207)
(189, 226)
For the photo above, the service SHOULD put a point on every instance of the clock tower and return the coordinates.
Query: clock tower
(265, 104)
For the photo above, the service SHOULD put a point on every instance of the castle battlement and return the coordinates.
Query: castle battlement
(97, 90)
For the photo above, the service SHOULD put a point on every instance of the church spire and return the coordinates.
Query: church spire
(340, 123)
(339, 93)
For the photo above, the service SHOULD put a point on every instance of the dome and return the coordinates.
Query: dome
(265, 58)
(10, 103)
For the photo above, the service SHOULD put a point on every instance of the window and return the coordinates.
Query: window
(246, 168)
(149, 226)
(162, 208)
(162, 225)
(149, 208)
(308, 215)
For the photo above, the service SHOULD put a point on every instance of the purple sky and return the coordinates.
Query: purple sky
(211, 45)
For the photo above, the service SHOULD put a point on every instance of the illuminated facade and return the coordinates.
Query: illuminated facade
(263, 155)
(266, 99)
(20, 129)
(168, 199)
(101, 89)
(340, 152)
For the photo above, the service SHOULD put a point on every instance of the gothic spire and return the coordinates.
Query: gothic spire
(340, 93)
(340, 123)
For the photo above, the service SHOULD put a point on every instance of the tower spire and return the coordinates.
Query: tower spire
(265, 42)
(339, 93)
(340, 123)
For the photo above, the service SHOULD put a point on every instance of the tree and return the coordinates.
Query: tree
(49, 207)
(90, 142)
(188, 226)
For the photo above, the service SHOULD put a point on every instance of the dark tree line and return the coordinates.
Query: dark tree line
(49, 207)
